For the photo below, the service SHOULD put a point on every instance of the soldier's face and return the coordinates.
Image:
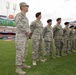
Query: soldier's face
(50, 23)
(72, 28)
(39, 16)
(59, 21)
(25, 8)
(67, 25)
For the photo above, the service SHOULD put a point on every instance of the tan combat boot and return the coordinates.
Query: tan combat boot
(42, 60)
(19, 70)
(25, 66)
(45, 59)
(34, 63)
(57, 56)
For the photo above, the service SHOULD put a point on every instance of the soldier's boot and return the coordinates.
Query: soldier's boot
(67, 52)
(45, 59)
(60, 53)
(42, 60)
(51, 56)
(37, 59)
(19, 70)
(74, 50)
(34, 63)
(64, 53)
(57, 56)
(25, 66)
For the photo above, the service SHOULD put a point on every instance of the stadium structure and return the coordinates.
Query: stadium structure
(7, 27)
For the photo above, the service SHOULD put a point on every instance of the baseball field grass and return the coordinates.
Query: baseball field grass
(62, 66)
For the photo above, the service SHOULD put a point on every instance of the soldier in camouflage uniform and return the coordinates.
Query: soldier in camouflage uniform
(75, 38)
(58, 37)
(48, 38)
(71, 38)
(36, 31)
(66, 34)
(22, 34)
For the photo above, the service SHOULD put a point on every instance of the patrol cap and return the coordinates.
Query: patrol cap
(75, 27)
(37, 14)
(66, 23)
(49, 20)
(23, 4)
(71, 26)
(58, 19)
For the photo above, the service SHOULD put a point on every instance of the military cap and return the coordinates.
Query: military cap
(71, 26)
(49, 20)
(66, 23)
(23, 4)
(75, 27)
(58, 19)
(37, 14)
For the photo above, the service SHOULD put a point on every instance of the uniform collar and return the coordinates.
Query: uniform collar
(38, 21)
(58, 24)
(67, 27)
(48, 26)
(23, 14)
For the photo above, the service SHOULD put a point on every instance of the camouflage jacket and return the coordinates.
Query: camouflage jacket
(58, 32)
(71, 34)
(75, 34)
(48, 33)
(66, 33)
(22, 24)
(36, 29)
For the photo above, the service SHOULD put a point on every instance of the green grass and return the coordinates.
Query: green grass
(63, 66)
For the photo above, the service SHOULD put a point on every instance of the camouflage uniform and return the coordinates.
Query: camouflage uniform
(75, 39)
(21, 38)
(48, 39)
(71, 40)
(66, 45)
(58, 36)
(36, 30)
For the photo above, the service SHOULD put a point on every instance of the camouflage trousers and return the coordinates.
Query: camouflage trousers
(59, 46)
(71, 44)
(37, 49)
(74, 44)
(66, 46)
(48, 48)
(21, 48)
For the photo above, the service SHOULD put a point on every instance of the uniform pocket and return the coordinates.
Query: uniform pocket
(37, 36)
(47, 38)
